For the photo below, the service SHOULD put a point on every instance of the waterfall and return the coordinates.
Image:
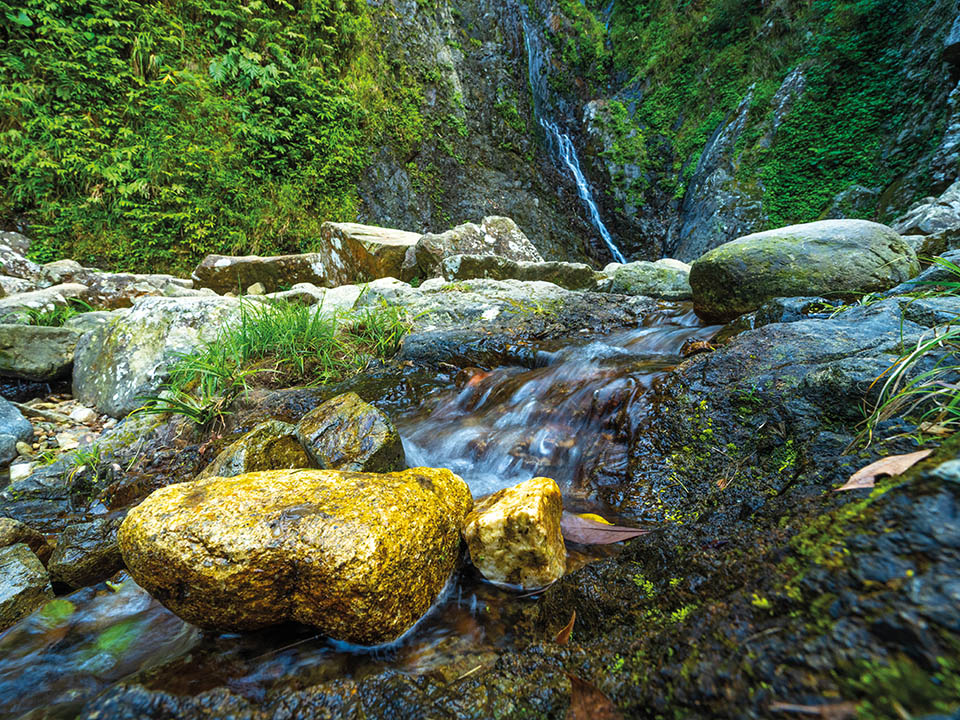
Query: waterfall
(560, 144)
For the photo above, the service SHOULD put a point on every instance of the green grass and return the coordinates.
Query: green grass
(57, 315)
(924, 382)
(278, 344)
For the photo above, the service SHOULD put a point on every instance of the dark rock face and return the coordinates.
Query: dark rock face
(13, 428)
(24, 584)
(87, 552)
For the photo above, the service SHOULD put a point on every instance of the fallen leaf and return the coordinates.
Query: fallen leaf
(588, 703)
(578, 529)
(594, 517)
(563, 637)
(936, 429)
(837, 711)
(866, 477)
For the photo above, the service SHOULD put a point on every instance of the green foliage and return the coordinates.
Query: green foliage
(57, 315)
(697, 61)
(278, 343)
(138, 134)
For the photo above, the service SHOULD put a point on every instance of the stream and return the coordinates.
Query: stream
(563, 419)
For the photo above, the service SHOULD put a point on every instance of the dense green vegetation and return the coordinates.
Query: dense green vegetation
(140, 135)
(694, 61)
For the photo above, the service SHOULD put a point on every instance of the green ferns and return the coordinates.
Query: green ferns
(143, 135)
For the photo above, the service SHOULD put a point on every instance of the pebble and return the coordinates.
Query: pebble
(24, 448)
(83, 415)
(21, 471)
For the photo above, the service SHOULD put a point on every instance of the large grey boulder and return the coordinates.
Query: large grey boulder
(14, 427)
(117, 364)
(494, 236)
(573, 276)
(667, 279)
(830, 258)
(24, 584)
(375, 252)
(37, 352)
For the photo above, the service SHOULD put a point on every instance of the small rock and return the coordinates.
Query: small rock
(256, 289)
(19, 471)
(87, 553)
(68, 440)
(271, 445)
(24, 448)
(346, 433)
(14, 427)
(514, 535)
(24, 584)
(83, 415)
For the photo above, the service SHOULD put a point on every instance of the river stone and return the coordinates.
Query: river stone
(13, 263)
(346, 433)
(271, 445)
(514, 535)
(14, 286)
(932, 215)
(359, 556)
(36, 352)
(87, 552)
(376, 252)
(24, 584)
(14, 427)
(573, 276)
(494, 236)
(16, 308)
(13, 532)
(117, 364)
(829, 258)
(667, 279)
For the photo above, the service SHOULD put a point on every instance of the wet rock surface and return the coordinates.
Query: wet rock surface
(666, 279)
(24, 583)
(514, 535)
(14, 427)
(359, 556)
(271, 445)
(87, 552)
(346, 433)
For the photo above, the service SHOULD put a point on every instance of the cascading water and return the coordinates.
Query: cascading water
(560, 144)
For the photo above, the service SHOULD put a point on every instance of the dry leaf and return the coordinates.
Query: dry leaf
(588, 703)
(579, 529)
(837, 711)
(563, 637)
(936, 429)
(866, 477)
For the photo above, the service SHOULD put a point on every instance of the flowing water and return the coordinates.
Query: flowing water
(567, 418)
(559, 143)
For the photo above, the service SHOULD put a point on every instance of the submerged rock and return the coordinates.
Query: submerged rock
(119, 363)
(831, 258)
(514, 535)
(24, 584)
(87, 552)
(346, 433)
(359, 556)
(667, 279)
(271, 445)
(37, 352)
(494, 236)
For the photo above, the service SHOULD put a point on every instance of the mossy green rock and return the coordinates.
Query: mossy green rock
(346, 433)
(832, 258)
(271, 445)
(360, 556)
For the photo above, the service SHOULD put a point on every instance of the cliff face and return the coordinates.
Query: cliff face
(728, 117)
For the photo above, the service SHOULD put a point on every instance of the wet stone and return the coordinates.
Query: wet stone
(24, 584)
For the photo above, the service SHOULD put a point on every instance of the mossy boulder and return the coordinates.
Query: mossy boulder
(667, 279)
(271, 445)
(831, 258)
(357, 555)
(119, 363)
(346, 433)
(514, 535)
(38, 353)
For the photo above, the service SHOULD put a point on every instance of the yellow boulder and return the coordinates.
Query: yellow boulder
(358, 555)
(514, 535)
